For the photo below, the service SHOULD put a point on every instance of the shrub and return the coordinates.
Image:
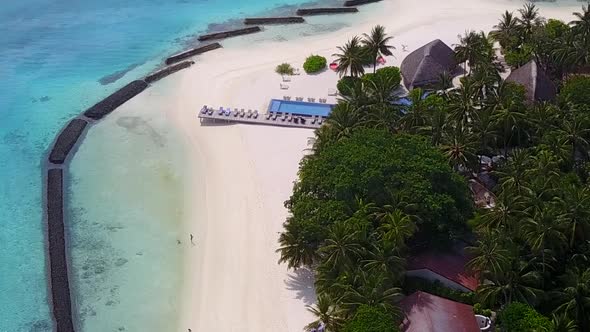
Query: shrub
(576, 90)
(347, 84)
(371, 319)
(413, 284)
(519, 317)
(314, 63)
(391, 75)
(284, 69)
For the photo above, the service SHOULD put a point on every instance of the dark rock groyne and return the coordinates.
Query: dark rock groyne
(230, 33)
(352, 3)
(274, 20)
(66, 141)
(115, 100)
(322, 11)
(60, 287)
(158, 75)
(192, 52)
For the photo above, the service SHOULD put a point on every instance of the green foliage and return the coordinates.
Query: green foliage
(519, 317)
(518, 57)
(479, 310)
(390, 73)
(413, 284)
(577, 91)
(347, 84)
(556, 28)
(284, 69)
(375, 166)
(314, 64)
(371, 319)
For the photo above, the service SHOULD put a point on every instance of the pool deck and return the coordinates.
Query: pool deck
(208, 114)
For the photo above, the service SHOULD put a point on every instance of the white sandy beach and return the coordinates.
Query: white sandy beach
(243, 174)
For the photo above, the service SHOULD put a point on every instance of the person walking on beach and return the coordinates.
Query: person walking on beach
(192, 237)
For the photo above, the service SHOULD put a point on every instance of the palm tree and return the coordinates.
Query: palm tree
(582, 24)
(445, 81)
(326, 312)
(341, 247)
(460, 148)
(576, 204)
(295, 250)
(377, 43)
(350, 58)
(507, 114)
(507, 30)
(490, 257)
(483, 130)
(544, 230)
(574, 131)
(574, 297)
(469, 49)
(516, 283)
(513, 175)
(396, 227)
(529, 19)
(572, 52)
(384, 259)
(373, 290)
(343, 121)
(562, 323)
(505, 213)
(463, 103)
(415, 117)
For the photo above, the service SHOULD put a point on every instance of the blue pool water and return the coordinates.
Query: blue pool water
(299, 108)
(57, 58)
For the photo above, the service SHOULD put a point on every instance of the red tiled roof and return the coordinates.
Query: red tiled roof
(426, 312)
(448, 265)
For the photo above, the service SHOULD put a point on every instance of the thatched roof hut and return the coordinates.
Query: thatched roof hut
(424, 65)
(538, 85)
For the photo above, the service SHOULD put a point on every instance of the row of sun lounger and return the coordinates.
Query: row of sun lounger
(288, 117)
(228, 112)
(309, 100)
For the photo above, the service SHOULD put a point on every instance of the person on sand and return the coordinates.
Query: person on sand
(192, 237)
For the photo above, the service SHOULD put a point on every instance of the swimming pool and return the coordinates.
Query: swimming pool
(299, 107)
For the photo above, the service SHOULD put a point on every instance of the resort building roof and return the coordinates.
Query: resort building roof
(424, 65)
(446, 267)
(427, 312)
(538, 85)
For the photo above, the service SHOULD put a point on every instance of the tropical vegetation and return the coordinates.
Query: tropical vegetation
(314, 64)
(387, 177)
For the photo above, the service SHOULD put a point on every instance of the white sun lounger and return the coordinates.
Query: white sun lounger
(255, 115)
(332, 92)
(284, 86)
(286, 78)
(268, 115)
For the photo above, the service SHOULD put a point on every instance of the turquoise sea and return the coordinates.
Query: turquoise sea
(58, 57)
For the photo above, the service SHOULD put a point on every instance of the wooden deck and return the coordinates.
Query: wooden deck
(208, 114)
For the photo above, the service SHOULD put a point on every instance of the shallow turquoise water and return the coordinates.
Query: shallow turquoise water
(58, 57)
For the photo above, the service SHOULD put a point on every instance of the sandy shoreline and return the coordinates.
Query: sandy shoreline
(242, 174)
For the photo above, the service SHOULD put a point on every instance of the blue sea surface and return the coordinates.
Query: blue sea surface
(58, 57)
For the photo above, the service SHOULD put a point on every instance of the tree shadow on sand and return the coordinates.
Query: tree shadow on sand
(301, 281)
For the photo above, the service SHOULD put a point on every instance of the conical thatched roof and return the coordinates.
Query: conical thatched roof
(424, 65)
(538, 85)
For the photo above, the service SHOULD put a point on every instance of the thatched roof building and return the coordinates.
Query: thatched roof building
(424, 65)
(538, 85)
